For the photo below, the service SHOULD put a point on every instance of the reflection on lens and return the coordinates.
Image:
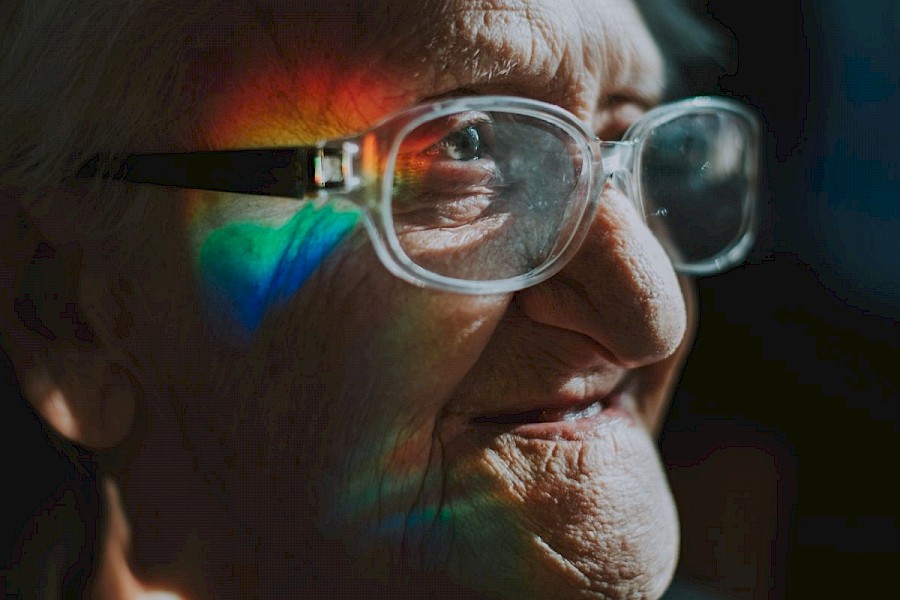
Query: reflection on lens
(484, 196)
(695, 178)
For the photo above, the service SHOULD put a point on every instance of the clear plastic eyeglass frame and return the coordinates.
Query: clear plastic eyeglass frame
(357, 173)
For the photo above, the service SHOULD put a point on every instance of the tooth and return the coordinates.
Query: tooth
(588, 411)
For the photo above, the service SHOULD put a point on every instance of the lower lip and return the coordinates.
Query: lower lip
(586, 423)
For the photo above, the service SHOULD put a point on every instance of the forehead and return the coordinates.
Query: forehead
(306, 70)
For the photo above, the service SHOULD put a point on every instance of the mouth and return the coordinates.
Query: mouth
(576, 412)
(562, 420)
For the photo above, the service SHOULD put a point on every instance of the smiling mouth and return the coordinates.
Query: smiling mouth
(575, 412)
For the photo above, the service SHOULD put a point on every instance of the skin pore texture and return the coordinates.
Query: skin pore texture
(303, 420)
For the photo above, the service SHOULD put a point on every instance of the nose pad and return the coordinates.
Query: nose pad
(620, 289)
(623, 181)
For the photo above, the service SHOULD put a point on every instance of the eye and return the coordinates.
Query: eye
(463, 144)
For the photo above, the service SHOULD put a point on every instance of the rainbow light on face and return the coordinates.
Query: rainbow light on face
(257, 267)
(248, 265)
(448, 512)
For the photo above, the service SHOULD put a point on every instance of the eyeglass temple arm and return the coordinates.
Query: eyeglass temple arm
(297, 172)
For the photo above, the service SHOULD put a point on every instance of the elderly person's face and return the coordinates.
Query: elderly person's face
(290, 412)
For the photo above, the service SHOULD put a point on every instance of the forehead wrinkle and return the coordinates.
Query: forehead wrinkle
(351, 67)
(572, 54)
(511, 46)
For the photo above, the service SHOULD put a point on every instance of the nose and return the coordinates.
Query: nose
(620, 289)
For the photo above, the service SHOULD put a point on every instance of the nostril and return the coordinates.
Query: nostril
(620, 290)
(630, 332)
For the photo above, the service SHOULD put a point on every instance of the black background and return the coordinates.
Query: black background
(798, 351)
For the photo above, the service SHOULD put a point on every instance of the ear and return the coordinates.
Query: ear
(68, 362)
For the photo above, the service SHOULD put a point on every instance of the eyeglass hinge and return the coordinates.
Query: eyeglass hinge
(331, 168)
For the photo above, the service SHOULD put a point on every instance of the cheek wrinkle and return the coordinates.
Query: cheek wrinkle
(253, 267)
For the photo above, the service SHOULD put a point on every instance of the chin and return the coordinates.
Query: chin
(537, 518)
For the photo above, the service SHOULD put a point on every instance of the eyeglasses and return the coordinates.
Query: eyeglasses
(494, 194)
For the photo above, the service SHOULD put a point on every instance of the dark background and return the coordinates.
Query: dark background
(782, 438)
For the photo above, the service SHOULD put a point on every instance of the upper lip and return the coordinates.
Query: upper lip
(530, 366)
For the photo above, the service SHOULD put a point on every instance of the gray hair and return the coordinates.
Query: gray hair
(79, 77)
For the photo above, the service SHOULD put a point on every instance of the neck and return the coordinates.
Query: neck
(113, 578)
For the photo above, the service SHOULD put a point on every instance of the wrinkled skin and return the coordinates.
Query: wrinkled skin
(331, 447)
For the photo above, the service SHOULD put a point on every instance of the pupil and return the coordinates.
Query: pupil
(464, 144)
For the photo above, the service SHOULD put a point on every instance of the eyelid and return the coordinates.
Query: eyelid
(431, 133)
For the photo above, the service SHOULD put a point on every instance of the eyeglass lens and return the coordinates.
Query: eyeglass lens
(485, 195)
(696, 177)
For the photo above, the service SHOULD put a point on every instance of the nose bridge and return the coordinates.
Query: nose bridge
(616, 156)
(618, 160)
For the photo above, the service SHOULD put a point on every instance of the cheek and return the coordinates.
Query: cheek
(247, 268)
(410, 350)
(558, 517)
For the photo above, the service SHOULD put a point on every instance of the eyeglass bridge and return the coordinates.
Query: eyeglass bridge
(330, 168)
